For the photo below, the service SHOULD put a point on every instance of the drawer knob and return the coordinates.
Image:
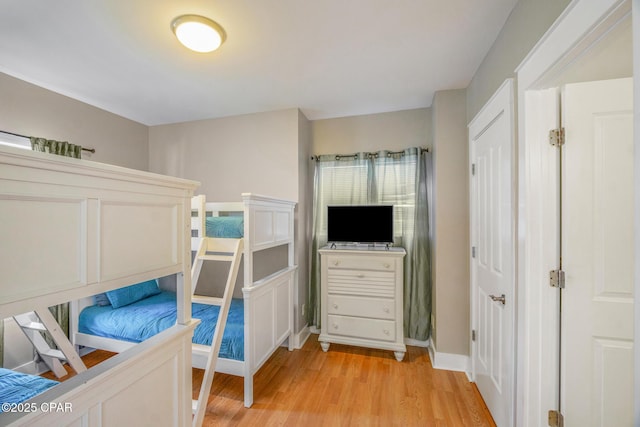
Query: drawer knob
(335, 326)
(387, 265)
(386, 331)
(386, 309)
(335, 306)
(360, 276)
(336, 262)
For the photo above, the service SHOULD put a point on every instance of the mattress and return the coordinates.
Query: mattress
(225, 226)
(16, 387)
(143, 319)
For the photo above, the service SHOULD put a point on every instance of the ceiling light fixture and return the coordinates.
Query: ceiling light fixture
(198, 33)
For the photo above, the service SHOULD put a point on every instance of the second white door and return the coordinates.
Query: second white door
(492, 263)
(597, 254)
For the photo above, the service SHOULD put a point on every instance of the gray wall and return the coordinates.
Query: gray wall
(31, 110)
(450, 254)
(303, 218)
(373, 132)
(528, 21)
(264, 153)
(256, 153)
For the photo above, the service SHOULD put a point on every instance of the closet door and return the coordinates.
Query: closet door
(597, 254)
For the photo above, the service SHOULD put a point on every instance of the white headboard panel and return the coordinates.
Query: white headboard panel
(71, 228)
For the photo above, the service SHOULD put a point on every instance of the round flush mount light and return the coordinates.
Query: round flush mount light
(198, 33)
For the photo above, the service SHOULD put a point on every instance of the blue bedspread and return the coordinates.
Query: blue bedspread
(16, 387)
(225, 226)
(141, 320)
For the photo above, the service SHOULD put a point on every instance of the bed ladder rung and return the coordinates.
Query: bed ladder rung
(216, 257)
(41, 320)
(29, 321)
(201, 299)
(52, 352)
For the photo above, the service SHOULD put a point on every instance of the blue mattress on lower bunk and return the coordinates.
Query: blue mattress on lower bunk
(16, 387)
(143, 319)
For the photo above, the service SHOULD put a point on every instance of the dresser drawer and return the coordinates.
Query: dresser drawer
(380, 263)
(360, 282)
(383, 330)
(361, 306)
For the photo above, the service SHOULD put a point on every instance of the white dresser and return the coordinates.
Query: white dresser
(361, 297)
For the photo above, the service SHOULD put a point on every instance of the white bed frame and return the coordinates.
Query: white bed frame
(268, 302)
(72, 228)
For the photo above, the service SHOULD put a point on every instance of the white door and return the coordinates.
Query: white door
(597, 254)
(493, 258)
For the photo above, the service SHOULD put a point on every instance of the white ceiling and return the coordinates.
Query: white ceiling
(330, 58)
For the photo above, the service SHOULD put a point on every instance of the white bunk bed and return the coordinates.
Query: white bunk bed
(72, 228)
(267, 290)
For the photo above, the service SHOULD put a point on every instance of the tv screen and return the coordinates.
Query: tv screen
(360, 224)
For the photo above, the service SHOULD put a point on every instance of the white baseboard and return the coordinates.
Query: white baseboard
(301, 337)
(449, 361)
(31, 367)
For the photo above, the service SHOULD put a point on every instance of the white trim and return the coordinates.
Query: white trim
(448, 361)
(301, 337)
(636, 166)
(579, 26)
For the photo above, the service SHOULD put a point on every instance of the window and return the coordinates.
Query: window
(15, 140)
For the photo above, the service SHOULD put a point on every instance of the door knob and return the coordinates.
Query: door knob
(498, 299)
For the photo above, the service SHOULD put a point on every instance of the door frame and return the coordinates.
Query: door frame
(500, 105)
(578, 28)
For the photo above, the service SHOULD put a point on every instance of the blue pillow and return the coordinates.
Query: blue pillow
(225, 226)
(101, 299)
(130, 294)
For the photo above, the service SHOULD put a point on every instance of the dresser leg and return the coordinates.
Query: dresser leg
(399, 355)
(325, 346)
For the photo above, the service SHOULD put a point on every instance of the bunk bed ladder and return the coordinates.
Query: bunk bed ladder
(33, 324)
(214, 249)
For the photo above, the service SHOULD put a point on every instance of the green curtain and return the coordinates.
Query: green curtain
(61, 148)
(338, 180)
(398, 178)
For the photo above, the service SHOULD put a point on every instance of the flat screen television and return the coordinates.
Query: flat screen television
(360, 224)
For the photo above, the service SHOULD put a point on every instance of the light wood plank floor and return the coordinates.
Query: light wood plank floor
(347, 386)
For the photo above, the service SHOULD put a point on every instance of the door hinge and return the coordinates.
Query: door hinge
(473, 168)
(473, 335)
(556, 279)
(473, 251)
(556, 419)
(556, 137)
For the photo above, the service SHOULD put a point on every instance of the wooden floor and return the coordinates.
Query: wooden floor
(347, 386)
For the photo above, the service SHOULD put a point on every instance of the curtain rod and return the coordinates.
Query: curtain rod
(341, 156)
(91, 150)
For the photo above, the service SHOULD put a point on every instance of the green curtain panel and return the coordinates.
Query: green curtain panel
(61, 148)
(401, 179)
